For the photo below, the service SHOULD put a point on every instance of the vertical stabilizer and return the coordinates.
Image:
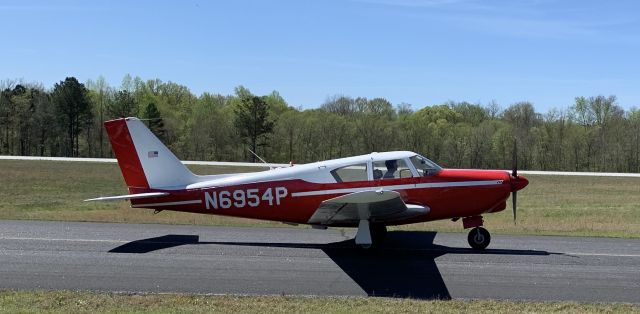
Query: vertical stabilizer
(144, 161)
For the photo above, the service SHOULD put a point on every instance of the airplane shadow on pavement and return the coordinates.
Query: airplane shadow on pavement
(404, 266)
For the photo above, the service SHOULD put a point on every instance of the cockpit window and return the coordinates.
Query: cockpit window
(350, 173)
(391, 169)
(424, 166)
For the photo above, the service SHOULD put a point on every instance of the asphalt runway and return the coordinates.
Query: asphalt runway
(294, 261)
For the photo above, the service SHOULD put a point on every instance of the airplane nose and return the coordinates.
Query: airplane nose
(518, 183)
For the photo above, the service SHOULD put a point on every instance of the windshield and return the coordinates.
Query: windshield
(424, 166)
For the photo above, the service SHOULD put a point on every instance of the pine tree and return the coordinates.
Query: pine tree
(154, 120)
(252, 120)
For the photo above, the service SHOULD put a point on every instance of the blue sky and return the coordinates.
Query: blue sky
(421, 52)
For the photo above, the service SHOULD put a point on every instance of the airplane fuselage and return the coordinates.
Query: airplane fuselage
(448, 194)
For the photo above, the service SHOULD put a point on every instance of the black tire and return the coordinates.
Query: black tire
(479, 238)
(378, 233)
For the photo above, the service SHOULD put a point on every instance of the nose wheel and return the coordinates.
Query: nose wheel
(479, 238)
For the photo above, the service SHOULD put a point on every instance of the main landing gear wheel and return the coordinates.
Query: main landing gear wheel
(479, 238)
(378, 233)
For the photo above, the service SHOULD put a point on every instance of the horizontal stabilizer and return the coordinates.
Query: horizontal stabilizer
(128, 197)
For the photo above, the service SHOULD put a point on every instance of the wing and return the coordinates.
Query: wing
(128, 197)
(376, 206)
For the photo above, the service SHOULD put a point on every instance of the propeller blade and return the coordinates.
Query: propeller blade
(514, 173)
(514, 198)
(515, 158)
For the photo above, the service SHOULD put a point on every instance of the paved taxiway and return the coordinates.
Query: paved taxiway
(218, 260)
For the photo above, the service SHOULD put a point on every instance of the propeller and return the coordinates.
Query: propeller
(514, 173)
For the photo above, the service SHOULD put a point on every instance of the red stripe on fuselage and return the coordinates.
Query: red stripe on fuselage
(125, 152)
(444, 202)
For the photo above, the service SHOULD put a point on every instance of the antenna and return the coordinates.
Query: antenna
(264, 162)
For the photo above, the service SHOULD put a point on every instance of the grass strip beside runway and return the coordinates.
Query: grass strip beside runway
(550, 205)
(90, 302)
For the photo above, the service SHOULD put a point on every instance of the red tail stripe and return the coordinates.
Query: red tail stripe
(125, 152)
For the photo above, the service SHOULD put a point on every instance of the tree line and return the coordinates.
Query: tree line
(593, 134)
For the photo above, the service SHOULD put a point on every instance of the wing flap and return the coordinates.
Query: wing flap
(127, 197)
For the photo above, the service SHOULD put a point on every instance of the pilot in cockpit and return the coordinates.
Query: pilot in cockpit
(392, 167)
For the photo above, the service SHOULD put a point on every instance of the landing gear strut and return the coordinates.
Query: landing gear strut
(370, 235)
(479, 238)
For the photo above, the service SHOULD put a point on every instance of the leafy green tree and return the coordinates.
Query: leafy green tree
(44, 130)
(253, 122)
(473, 114)
(523, 119)
(634, 155)
(73, 110)
(287, 135)
(339, 104)
(210, 130)
(404, 110)
(100, 95)
(593, 134)
(6, 119)
(123, 105)
(22, 110)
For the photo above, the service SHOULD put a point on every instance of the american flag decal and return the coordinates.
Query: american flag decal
(152, 154)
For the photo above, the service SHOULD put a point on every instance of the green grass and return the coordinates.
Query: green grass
(550, 205)
(88, 302)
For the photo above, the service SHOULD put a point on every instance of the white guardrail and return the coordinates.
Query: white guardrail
(263, 165)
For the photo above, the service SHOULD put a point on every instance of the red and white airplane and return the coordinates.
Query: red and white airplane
(369, 192)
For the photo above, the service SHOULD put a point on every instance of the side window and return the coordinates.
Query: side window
(350, 173)
(391, 169)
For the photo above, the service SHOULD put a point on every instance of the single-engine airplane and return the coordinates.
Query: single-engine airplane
(369, 192)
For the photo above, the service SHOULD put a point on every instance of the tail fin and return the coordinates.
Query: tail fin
(144, 161)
